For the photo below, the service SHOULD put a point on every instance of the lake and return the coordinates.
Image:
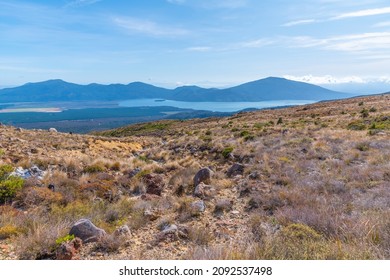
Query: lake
(212, 106)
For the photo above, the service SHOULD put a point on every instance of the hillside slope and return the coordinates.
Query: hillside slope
(308, 182)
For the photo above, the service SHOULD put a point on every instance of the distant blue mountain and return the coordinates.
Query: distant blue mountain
(261, 90)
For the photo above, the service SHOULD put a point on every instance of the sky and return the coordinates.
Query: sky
(210, 43)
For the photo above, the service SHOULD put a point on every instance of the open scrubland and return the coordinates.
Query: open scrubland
(307, 182)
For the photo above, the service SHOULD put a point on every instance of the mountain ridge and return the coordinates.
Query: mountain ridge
(271, 88)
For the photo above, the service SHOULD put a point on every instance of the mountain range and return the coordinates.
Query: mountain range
(270, 88)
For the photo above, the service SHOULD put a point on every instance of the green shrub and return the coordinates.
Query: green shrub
(9, 185)
(249, 137)
(94, 168)
(227, 151)
(364, 113)
(356, 125)
(244, 133)
(364, 146)
(68, 237)
(7, 231)
(5, 170)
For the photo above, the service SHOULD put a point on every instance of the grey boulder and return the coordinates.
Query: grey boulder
(87, 231)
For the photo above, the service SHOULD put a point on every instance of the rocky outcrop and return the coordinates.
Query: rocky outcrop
(87, 231)
(154, 184)
(68, 250)
(122, 231)
(203, 176)
(204, 191)
(235, 169)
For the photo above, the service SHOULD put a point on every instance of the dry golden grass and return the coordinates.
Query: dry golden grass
(316, 185)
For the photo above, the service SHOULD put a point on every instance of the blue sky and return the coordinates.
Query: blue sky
(204, 42)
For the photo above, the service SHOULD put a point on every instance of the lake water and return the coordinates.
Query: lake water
(212, 106)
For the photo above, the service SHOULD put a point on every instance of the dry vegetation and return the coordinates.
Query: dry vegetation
(315, 185)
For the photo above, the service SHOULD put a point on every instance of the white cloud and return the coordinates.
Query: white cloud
(147, 27)
(332, 80)
(382, 24)
(360, 13)
(349, 43)
(327, 79)
(256, 43)
(363, 13)
(199, 49)
(299, 22)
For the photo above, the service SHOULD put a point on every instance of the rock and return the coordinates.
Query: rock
(171, 233)
(68, 250)
(134, 172)
(52, 129)
(198, 206)
(19, 129)
(122, 231)
(152, 216)
(254, 175)
(154, 184)
(204, 191)
(87, 231)
(203, 176)
(223, 205)
(170, 229)
(235, 169)
(51, 187)
(34, 171)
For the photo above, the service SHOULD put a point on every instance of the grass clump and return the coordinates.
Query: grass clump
(95, 168)
(227, 151)
(8, 231)
(356, 125)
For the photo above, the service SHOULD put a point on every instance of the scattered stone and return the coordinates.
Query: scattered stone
(154, 184)
(254, 175)
(52, 129)
(152, 216)
(19, 129)
(51, 187)
(87, 231)
(68, 250)
(170, 229)
(203, 176)
(204, 191)
(172, 233)
(134, 172)
(198, 206)
(235, 169)
(222, 206)
(33, 171)
(122, 231)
